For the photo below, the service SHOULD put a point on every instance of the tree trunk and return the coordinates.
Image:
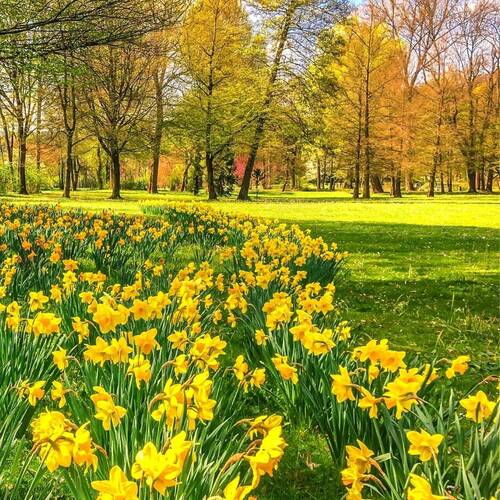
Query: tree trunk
(209, 161)
(357, 161)
(480, 184)
(441, 176)
(21, 161)
(377, 186)
(198, 175)
(185, 176)
(318, 174)
(409, 182)
(261, 120)
(471, 176)
(396, 184)
(293, 167)
(437, 159)
(366, 130)
(75, 173)
(61, 173)
(489, 181)
(153, 179)
(432, 180)
(100, 180)
(69, 163)
(449, 180)
(38, 135)
(115, 173)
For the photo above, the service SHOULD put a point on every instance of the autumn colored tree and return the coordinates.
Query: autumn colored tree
(216, 52)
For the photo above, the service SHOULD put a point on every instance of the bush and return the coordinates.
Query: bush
(38, 179)
(7, 182)
(140, 184)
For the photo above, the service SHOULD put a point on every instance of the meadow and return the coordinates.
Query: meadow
(421, 273)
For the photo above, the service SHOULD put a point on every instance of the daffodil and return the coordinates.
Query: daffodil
(423, 444)
(459, 365)
(478, 406)
(287, 371)
(342, 386)
(60, 359)
(420, 489)
(117, 487)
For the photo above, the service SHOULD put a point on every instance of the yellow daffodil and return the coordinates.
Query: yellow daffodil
(459, 365)
(420, 489)
(478, 406)
(117, 487)
(60, 359)
(423, 444)
(342, 386)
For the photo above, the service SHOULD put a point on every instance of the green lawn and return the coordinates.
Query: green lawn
(421, 272)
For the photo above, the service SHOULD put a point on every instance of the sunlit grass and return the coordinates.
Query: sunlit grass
(416, 209)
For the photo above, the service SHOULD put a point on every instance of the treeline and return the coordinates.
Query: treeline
(397, 95)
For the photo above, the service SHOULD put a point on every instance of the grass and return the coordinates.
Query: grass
(421, 272)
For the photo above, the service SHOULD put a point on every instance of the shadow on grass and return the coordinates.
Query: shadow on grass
(376, 237)
(427, 289)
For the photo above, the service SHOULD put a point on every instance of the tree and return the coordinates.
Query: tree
(216, 51)
(118, 82)
(66, 89)
(43, 27)
(293, 21)
(364, 73)
(18, 82)
(475, 43)
(419, 25)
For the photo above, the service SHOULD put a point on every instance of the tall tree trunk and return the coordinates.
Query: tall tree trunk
(115, 172)
(209, 162)
(153, 178)
(261, 120)
(357, 160)
(366, 129)
(67, 98)
(61, 173)
(75, 173)
(436, 159)
(209, 157)
(318, 174)
(197, 174)
(441, 176)
(185, 176)
(396, 184)
(293, 167)
(366, 170)
(471, 175)
(21, 161)
(69, 163)
(489, 181)
(409, 186)
(377, 186)
(9, 143)
(100, 180)
(471, 140)
(38, 134)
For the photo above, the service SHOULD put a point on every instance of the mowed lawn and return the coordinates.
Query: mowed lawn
(423, 273)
